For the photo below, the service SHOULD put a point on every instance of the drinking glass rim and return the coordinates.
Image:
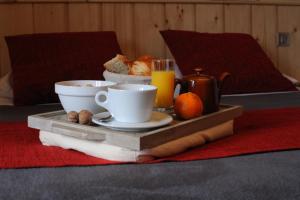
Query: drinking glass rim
(166, 64)
(163, 59)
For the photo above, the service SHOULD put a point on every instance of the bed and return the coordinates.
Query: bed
(272, 175)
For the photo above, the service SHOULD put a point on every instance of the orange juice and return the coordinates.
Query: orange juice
(164, 81)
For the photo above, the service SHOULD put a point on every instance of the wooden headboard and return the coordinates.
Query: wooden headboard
(137, 23)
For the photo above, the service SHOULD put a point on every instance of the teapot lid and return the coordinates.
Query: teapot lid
(198, 75)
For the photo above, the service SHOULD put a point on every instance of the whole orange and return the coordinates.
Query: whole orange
(188, 106)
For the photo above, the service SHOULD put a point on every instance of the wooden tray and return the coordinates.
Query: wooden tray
(56, 122)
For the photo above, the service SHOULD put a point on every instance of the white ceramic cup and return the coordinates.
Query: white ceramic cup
(130, 103)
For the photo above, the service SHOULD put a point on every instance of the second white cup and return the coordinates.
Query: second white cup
(130, 103)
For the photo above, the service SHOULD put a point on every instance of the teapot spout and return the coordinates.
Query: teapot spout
(221, 80)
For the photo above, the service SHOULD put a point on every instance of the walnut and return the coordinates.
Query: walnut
(72, 116)
(85, 117)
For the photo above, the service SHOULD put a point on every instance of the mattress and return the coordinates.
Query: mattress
(273, 175)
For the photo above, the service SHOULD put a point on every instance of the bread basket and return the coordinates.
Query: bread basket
(123, 78)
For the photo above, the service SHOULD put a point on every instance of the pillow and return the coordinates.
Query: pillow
(40, 60)
(239, 54)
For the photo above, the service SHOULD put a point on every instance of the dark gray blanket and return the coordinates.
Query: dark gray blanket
(271, 176)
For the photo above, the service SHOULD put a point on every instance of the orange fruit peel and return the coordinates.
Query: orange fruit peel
(188, 106)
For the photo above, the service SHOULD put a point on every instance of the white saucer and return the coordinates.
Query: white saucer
(158, 119)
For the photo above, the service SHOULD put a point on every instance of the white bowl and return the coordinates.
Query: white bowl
(77, 95)
(124, 78)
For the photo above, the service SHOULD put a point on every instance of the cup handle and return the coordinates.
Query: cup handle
(104, 104)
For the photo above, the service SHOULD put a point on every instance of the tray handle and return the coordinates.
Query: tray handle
(77, 132)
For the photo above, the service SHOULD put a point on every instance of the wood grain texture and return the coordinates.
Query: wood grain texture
(210, 18)
(149, 19)
(84, 17)
(14, 20)
(238, 18)
(108, 16)
(249, 2)
(288, 57)
(124, 27)
(49, 1)
(5, 29)
(50, 17)
(264, 29)
(120, 18)
(137, 24)
(56, 122)
(179, 17)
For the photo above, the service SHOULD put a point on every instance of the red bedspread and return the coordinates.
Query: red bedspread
(255, 131)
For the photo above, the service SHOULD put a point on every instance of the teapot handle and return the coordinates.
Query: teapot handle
(221, 80)
(183, 85)
(184, 88)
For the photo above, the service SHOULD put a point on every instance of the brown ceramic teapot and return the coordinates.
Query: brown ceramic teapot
(206, 87)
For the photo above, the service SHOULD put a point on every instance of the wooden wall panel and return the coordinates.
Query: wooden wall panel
(238, 18)
(210, 18)
(253, 2)
(149, 19)
(22, 19)
(264, 29)
(179, 17)
(6, 13)
(124, 26)
(50, 17)
(14, 20)
(108, 16)
(120, 18)
(137, 24)
(288, 57)
(84, 17)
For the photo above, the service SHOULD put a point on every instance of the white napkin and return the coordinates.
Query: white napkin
(93, 148)
(106, 151)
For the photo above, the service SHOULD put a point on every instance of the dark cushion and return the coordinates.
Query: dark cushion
(239, 54)
(40, 60)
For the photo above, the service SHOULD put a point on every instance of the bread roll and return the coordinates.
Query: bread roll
(118, 64)
(142, 66)
(145, 58)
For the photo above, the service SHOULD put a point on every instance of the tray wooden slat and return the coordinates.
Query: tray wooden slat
(57, 122)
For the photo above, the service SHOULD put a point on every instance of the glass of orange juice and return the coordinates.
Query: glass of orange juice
(163, 77)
